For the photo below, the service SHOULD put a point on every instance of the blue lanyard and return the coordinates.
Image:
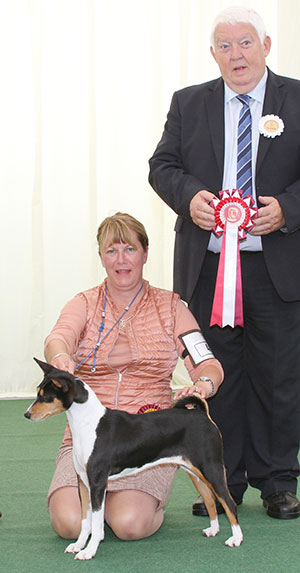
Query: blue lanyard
(101, 328)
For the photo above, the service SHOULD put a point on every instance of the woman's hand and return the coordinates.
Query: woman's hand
(201, 387)
(63, 361)
(56, 353)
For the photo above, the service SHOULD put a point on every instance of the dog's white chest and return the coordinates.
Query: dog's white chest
(83, 425)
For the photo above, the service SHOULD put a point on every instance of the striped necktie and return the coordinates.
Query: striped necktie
(244, 147)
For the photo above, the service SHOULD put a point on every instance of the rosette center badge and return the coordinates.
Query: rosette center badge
(232, 209)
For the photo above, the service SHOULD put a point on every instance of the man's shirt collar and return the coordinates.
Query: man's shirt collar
(258, 93)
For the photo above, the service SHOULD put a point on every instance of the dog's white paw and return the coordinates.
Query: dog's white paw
(85, 554)
(232, 542)
(237, 538)
(210, 532)
(213, 530)
(73, 548)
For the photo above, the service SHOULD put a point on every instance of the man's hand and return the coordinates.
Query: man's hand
(270, 217)
(201, 212)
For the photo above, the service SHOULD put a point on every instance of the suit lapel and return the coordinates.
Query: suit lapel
(215, 114)
(274, 97)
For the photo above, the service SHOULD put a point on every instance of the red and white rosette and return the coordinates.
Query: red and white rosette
(234, 216)
(148, 408)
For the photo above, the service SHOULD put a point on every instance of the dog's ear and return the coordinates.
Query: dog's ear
(60, 378)
(61, 382)
(47, 368)
(44, 365)
(57, 383)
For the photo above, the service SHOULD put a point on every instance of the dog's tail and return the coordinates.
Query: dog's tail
(192, 403)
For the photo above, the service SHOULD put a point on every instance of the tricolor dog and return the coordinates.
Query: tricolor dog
(110, 443)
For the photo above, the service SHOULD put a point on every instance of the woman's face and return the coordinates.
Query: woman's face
(124, 263)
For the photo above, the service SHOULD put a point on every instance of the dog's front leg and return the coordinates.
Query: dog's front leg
(97, 534)
(86, 519)
(83, 536)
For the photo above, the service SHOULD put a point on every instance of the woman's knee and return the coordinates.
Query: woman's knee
(65, 512)
(131, 521)
(128, 526)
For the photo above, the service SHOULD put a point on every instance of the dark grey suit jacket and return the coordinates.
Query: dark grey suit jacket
(190, 157)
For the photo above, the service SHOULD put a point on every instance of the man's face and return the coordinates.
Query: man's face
(240, 55)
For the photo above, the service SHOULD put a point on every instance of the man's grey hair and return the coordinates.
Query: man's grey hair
(236, 15)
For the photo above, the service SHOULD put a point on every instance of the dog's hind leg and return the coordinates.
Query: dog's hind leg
(215, 480)
(230, 509)
(223, 495)
(237, 537)
(210, 504)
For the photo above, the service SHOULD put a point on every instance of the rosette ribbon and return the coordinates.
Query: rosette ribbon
(148, 408)
(234, 217)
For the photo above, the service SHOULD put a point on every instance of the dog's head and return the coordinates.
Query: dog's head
(56, 393)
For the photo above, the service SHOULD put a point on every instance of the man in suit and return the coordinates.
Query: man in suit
(258, 406)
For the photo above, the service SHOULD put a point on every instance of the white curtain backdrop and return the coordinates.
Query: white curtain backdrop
(85, 89)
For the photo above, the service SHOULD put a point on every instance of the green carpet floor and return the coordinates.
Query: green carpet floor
(28, 543)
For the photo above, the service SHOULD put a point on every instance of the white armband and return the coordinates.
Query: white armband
(196, 346)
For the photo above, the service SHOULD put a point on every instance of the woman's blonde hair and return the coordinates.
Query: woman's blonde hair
(118, 229)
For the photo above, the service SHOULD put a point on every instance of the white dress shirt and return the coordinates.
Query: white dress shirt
(232, 108)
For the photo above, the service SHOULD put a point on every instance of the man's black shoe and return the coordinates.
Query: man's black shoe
(200, 509)
(282, 505)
